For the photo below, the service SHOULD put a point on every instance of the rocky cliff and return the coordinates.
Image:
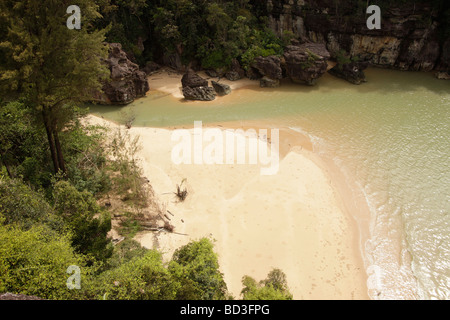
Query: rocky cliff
(410, 38)
(126, 82)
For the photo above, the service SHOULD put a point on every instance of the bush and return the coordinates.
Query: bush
(141, 278)
(274, 287)
(197, 264)
(23, 146)
(86, 157)
(34, 262)
(24, 207)
(81, 213)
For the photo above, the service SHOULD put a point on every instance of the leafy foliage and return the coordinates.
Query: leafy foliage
(87, 222)
(274, 287)
(140, 278)
(196, 265)
(34, 262)
(26, 208)
(37, 39)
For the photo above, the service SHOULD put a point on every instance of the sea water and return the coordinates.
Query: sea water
(390, 138)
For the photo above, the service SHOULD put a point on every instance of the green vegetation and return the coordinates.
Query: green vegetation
(43, 64)
(206, 33)
(343, 58)
(56, 173)
(274, 287)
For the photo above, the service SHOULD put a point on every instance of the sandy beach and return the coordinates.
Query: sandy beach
(295, 220)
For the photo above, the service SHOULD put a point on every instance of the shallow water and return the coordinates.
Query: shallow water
(390, 137)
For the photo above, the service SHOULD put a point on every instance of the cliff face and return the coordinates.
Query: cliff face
(126, 82)
(410, 37)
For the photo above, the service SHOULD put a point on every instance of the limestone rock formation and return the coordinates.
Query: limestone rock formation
(253, 74)
(151, 67)
(269, 67)
(221, 88)
(441, 75)
(199, 93)
(193, 80)
(196, 88)
(126, 83)
(266, 82)
(409, 38)
(236, 72)
(353, 72)
(13, 296)
(306, 63)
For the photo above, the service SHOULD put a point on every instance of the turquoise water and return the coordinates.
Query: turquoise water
(390, 137)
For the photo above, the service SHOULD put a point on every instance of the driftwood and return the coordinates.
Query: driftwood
(159, 229)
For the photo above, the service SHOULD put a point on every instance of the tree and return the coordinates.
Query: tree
(34, 262)
(19, 137)
(141, 278)
(274, 287)
(83, 216)
(47, 64)
(197, 266)
(26, 208)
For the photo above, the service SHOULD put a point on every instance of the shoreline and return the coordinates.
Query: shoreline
(304, 212)
(335, 267)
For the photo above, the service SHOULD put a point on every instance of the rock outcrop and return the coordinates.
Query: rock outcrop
(353, 72)
(151, 67)
(268, 66)
(221, 88)
(409, 38)
(270, 70)
(236, 72)
(12, 296)
(306, 63)
(193, 80)
(126, 83)
(196, 88)
(266, 82)
(199, 93)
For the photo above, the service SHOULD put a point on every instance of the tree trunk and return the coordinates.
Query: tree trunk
(51, 141)
(6, 166)
(61, 162)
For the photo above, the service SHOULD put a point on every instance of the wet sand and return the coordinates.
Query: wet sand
(294, 220)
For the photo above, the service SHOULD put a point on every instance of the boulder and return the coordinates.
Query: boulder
(353, 72)
(212, 73)
(233, 75)
(442, 75)
(196, 88)
(253, 74)
(267, 82)
(306, 63)
(236, 72)
(199, 93)
(126, 82)
(216, 73)
(193, 80)
(13, 296)
(221, 88)
(269, 67)
(151, 67)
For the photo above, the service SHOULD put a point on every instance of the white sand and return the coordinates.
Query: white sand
(294, 220)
